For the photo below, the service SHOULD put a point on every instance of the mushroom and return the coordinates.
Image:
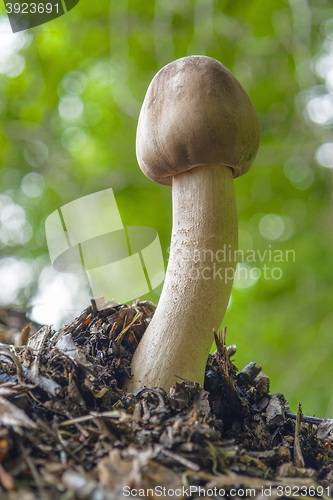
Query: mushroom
(197, 130)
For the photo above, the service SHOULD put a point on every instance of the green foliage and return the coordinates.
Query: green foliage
(70, 116)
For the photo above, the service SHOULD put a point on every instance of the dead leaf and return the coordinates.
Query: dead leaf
(67, 346)
(11, 415)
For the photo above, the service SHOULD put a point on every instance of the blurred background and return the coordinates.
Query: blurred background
(70, 96)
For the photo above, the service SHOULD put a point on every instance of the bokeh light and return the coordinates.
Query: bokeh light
(36, 153)
(73, 138)
(71, 108)
(324, 155)
(15, 275)
(299, 173)
(320, 109)
(60, 297)
(271, 226)
(12, 63)
(14, 228)
(32, 185)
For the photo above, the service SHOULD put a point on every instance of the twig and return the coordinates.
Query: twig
(237, 402)
(122, 333)
(306, 418)
(182, 460)
(249, 373)
(48, 385)
(93, 414)
(298, 457)
(24, 335)
(94, 306)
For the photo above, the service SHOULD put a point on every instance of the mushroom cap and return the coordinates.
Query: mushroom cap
(195, 113)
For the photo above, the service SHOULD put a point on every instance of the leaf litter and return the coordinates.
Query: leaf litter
(68, 431)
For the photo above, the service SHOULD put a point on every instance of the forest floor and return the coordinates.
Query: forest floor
(67, 430)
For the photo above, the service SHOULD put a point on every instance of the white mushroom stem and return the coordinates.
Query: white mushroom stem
(198, 281)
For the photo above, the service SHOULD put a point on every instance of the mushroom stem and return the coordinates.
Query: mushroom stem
(198, 281)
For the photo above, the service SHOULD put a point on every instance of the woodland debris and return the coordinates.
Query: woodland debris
(71, 432)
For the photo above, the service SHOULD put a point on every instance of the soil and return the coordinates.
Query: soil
(68, 431)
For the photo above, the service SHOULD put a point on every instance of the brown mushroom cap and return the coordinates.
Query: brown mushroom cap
(195, 113)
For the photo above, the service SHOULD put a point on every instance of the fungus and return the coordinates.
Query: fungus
(197, 130)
